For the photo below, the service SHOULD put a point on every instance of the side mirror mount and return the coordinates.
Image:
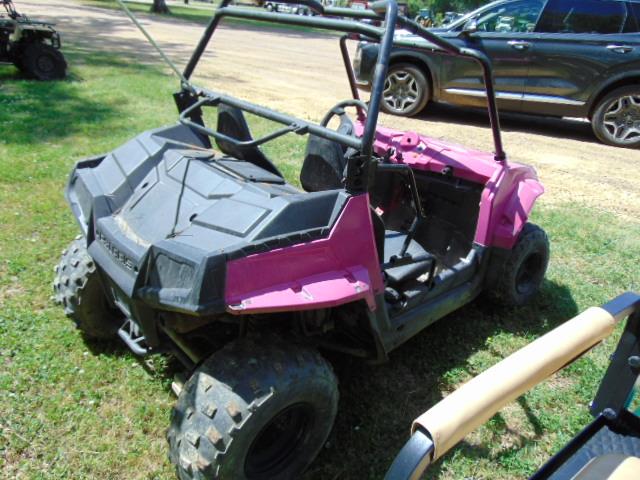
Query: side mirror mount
(470, 27)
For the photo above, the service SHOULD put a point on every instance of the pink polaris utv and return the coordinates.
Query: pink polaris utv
(194, 243)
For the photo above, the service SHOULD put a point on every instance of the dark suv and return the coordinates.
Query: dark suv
(571, 58)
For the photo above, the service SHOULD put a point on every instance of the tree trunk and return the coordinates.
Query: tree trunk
(159, 6)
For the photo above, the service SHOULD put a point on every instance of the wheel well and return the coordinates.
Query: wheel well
(418, 62)
(624, 82)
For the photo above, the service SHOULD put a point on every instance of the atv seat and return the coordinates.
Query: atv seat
(610, 467)
(421, 261)
(324, 161)
(231, 122)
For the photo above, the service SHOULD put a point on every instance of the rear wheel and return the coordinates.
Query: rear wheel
(406, 90)
(77, 287)
(520, 277)
(42, 62)
(616, 119)
(253, 411)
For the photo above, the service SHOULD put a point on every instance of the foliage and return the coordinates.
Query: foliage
(438, 7)
(159, 6)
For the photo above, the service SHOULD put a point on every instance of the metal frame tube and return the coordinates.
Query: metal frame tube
(385, 36)
(297, 125)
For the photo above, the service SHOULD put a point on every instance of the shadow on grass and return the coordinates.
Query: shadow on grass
(563, 128)
(163, 370)
(378, 404)
(33, 112)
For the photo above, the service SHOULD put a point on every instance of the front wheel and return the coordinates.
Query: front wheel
(616, 118)
(77, 287)
(253, 411)
(520, 276)
(406, 90)
(42, 62)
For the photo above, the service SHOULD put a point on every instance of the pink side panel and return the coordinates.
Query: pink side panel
(509, 192)
(512, 218)
(338, 269)
(505, 206)
(319, 291)
(429, 154)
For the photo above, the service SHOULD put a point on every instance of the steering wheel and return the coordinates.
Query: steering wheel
(338, 110)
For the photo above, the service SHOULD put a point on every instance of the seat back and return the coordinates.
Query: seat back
(324, 161)
(231, 122)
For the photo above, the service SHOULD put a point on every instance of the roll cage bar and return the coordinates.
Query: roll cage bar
(9, 7)
(192, 98)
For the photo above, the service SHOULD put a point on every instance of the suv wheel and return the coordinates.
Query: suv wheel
(616, 119)
(406, 90)
(253, 411)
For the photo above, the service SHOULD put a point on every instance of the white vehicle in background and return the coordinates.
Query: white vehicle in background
(295, 9)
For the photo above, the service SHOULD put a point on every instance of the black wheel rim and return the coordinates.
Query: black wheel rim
(529, 274)
(279, 442)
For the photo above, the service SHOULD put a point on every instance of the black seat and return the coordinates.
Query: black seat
(231, 122)
(423, 260)
(324, 161)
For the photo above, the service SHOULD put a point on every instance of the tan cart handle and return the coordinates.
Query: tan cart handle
(461, 412)
(440, 428)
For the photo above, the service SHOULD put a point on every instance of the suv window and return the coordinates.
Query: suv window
(633, 19)
(511, 17)
(582, 16)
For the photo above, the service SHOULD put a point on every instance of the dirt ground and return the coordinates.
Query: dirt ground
(302, 73)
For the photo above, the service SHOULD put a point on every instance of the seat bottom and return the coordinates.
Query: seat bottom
(393, 242)
(611, 467)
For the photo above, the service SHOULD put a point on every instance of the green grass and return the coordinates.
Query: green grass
(70, 409)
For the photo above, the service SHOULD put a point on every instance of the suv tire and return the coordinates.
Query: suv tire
(406, 90)
(253, 410)
(616, 118)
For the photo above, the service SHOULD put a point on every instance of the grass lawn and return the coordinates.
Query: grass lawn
(70, 409)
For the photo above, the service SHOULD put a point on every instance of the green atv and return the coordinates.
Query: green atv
(32, 46)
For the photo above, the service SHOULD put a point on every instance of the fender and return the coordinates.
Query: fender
(323, 273)
(620, 77)
(504, 211)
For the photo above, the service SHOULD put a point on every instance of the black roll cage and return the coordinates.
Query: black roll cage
(192, 98)
(11, 10)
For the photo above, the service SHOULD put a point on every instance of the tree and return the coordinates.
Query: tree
(441, 6)
(159, 6)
